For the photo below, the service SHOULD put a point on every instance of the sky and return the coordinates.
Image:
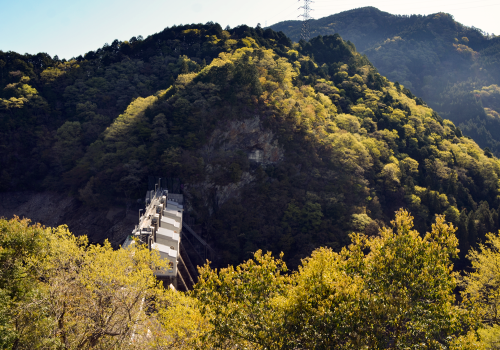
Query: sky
(72, 28)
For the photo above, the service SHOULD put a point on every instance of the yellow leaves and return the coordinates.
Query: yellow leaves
(293, 54)
(249, 42)
(51, 74)
(341, 76)
(96, 288)
(307, 91)
(391, 174)
(356, 78)
(237, 301)
(179, 323)
(490, 337)
(360, 110)
(212, 39)
(133, 114)
(191, 31)
(396, 288)
(230, 43)
(378, 149)
(349, 152)
(347, 122)
(397, 116)
(410, 166)
(360, 221)
(13, 102)
(482, 286)
(327, 103)
(390, 136)
(414, 201)
(83, 296)
(443, 234)
(184, 79)
(466, 51)
(409, 130)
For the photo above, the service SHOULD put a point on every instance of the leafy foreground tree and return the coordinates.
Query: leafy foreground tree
(59, 292)
(394, 290)
(390, 291)
(482, 288)
(18, 241)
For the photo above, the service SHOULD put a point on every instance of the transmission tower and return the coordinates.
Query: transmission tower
(306, 34)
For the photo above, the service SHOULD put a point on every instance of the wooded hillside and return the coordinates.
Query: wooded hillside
(280, 146)
(453, 68)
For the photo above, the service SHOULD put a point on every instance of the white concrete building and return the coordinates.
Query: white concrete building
(166, 253)
(168, 237)
(171, 224)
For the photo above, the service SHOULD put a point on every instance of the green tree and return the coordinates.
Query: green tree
(60, 292)
(240, 303)
(482, 288)
(2, 64)
(394, 290)
(18, 285)
(390, 291)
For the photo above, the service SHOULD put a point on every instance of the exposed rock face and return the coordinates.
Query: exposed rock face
(248, 136)
(115, 223)
(54, 209)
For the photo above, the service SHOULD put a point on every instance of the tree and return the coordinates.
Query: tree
(482, 288)
(62, 292)
(178, 322)
(18, 286)
(240, 303)
(2, 64)
(391, 291)
(394, 290)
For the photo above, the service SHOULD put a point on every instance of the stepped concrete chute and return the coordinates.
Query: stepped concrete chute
(160, 225)
(168, 237)
(161, 228)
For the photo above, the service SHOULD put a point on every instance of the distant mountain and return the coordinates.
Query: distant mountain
(453, 68)
(279, 146)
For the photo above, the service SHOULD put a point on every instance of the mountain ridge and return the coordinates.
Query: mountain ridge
(454, 68)
(280, 146)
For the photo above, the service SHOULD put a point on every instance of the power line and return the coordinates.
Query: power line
(306, 33)
(281, 14)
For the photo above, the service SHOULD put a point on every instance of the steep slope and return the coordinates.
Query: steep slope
(437, 58)
(52, 110)
(280, 146)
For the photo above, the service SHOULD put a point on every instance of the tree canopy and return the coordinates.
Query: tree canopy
(279, 146)
(440, 60)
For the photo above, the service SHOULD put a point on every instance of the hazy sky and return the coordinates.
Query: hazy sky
(71, 28)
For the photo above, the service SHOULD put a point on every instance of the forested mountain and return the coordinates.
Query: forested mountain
(279, 146)
(453, 68)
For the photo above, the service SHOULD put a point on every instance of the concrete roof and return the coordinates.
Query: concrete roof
(174, 212)
(168, 233)
(169, 202)
(171, 221)
(164, 249)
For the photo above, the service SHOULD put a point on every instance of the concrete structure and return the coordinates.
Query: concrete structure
(160, 228)
(169, 238)
(166, 253)
(171, 224)
(173, 214)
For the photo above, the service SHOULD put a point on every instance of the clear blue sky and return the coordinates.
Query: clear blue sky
(72, 28)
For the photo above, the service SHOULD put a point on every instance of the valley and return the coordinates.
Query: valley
(345, 185)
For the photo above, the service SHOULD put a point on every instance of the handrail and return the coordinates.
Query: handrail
(187, 270)
(202, 241)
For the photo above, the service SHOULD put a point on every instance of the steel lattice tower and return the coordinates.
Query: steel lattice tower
(306, 34)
